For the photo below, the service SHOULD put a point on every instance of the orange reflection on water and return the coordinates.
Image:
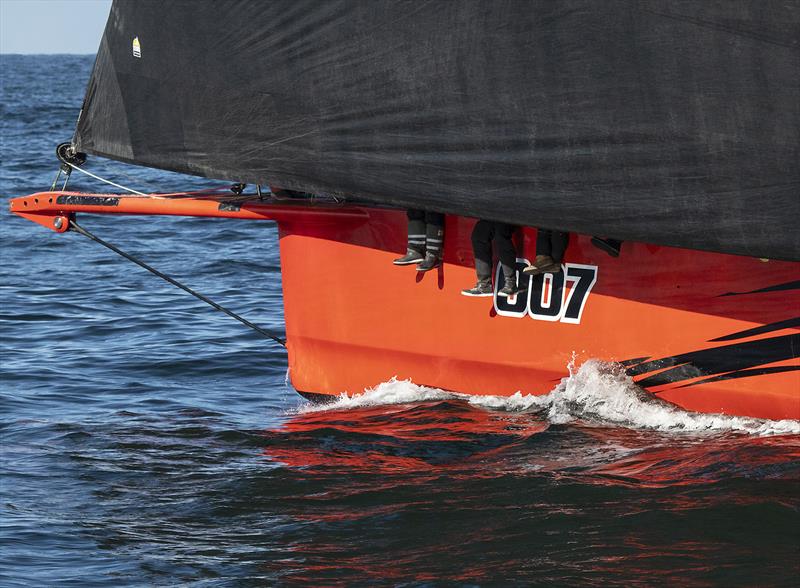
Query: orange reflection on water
(397, 438)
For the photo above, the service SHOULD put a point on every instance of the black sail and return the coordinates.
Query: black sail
(675, 123)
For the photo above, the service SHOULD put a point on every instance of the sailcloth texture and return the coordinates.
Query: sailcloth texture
(668, 122)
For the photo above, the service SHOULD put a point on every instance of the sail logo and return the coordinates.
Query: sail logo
(137, 48)
(548, 297)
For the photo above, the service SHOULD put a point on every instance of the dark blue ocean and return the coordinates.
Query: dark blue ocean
(147, 440)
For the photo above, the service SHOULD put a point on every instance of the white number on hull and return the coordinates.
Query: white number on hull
(544, 297)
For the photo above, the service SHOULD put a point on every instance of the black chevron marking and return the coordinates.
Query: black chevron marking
(718, 360)
(775, 288)
(787, 324)
(745, 374)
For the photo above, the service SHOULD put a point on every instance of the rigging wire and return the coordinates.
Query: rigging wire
(138, 193)
(131, 190)
(79, 229)
(91, 175)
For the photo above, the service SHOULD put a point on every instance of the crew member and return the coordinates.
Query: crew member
(484, 233)
(550, 248)
(425, 239)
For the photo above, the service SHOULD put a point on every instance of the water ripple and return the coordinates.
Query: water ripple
(145, 440)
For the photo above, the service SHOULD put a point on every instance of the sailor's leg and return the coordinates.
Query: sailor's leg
(543, 246)
(416, 239)
(434, 232)
(416, 230)
(506, 251)
(558, 245)
(434, 238)
(610, 246)
(482, 249)
(545, 251)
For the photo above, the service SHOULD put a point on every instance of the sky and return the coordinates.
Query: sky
(52, 26)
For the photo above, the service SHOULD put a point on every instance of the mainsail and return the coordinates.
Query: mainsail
(675, 123)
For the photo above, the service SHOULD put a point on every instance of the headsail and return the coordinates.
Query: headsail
(676, 123)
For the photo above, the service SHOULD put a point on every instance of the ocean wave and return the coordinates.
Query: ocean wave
(597, 393)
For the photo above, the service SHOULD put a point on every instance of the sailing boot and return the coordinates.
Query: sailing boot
(610, 246)
(431, 261)
(482, 288)
(510, 289)
(543, 264)
(412, 256)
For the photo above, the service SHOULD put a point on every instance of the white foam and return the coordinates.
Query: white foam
(392, 392)
(597, 393)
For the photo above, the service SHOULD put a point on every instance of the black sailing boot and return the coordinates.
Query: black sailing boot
(412, 256)
(610, 246)
(510, 289)
(431, 261)
(482, 288)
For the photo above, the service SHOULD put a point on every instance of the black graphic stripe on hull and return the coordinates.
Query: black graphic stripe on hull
(745, 374)
(717, 360)
(763, 329)
(775, 288)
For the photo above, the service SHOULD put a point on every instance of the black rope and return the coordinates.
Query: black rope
(76, 227)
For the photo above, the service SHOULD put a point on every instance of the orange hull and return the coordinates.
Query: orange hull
(708, 332)
(692, 327)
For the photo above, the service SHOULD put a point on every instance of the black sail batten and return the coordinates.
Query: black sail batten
(672, 123)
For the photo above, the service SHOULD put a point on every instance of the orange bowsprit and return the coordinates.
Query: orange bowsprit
(709, 332)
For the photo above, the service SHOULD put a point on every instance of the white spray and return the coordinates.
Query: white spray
(597, 393)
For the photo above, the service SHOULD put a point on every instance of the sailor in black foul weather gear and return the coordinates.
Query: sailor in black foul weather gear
(550, 248)
(425, 240)
(482, 236)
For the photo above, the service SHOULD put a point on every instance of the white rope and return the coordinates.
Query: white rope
(132, 191)
(91, 175)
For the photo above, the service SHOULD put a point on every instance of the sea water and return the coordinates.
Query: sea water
(148, 440)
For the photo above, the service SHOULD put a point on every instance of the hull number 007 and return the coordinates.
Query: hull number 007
(545, 297)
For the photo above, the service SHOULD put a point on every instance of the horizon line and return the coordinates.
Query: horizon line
(16, 53)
